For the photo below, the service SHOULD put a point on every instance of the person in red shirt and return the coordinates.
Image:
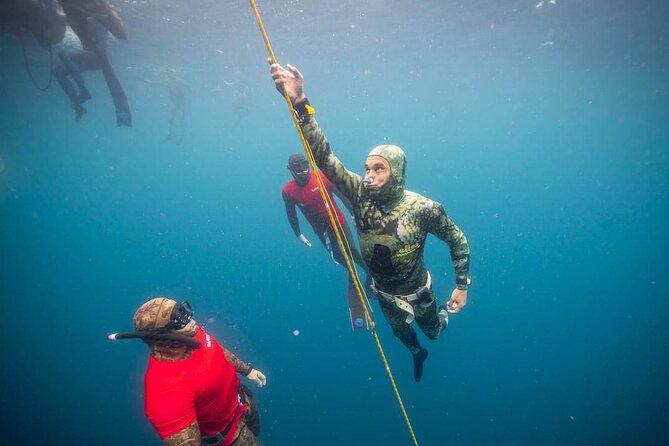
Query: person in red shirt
(192, 395)
(302, 191)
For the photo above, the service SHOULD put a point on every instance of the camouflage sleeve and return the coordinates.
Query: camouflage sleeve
(346, 181)
(242, 367)
(443, 227)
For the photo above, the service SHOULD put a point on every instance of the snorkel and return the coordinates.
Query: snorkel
(162, 319)
(149, 336)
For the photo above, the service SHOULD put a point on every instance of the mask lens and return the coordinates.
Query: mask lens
(181, 316)
(303, 166)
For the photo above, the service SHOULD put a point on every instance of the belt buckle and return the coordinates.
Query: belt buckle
(406, 307)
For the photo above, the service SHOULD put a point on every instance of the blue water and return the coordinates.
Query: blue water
(543, 130)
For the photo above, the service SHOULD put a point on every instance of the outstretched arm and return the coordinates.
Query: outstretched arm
(245, 368)
(290, 80)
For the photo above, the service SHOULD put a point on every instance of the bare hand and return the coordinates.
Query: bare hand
(458, 301)
(257, 377)
(288, 78)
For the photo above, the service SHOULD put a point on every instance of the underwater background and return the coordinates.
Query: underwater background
(543, 128)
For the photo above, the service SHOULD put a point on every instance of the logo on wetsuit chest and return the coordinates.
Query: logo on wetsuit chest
(207, 340)
(408, 249)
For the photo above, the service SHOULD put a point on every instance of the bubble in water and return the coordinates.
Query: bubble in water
(296, 332)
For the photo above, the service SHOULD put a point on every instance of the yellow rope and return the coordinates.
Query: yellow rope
(341, 239)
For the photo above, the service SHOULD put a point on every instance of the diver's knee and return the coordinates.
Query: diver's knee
(432, 332)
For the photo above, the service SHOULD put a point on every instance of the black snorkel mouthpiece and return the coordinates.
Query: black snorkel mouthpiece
(156, 336)
(301, 178)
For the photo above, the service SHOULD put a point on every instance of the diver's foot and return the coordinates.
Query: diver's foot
(418, 360)
(79, 112)
(84, 95)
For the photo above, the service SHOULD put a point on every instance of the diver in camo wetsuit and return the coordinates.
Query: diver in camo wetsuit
(392, 226)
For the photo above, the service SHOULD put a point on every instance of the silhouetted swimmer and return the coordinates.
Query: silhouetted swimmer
(91, 20)
(176, 88)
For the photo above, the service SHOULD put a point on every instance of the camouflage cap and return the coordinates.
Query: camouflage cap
(154, 314)
(395, 157)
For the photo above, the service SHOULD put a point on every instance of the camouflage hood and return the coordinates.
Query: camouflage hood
(393, 192)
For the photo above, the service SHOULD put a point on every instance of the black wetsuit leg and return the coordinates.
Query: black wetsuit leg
(427, 317)
(60, 72)
(321, 237)
(401, 329)
(98, 45)
(406, 334)
(250, 423)
(72, 62)
(76, 62)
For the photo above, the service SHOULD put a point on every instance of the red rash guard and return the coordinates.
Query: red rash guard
(203, 387)
(308, 198)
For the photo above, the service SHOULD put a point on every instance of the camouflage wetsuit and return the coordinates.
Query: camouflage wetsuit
(392, 226)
